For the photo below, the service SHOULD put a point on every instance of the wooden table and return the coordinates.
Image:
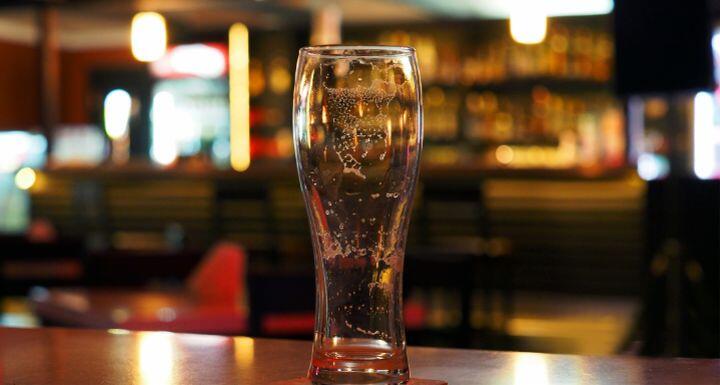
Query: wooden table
(78, 357)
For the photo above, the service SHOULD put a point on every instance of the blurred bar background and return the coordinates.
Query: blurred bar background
(568, 199)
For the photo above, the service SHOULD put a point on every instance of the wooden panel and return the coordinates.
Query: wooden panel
(19, 86)
(582, 236)
(20, 82)
(152, 206)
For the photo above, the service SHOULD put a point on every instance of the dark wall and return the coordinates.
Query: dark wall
(662, 46)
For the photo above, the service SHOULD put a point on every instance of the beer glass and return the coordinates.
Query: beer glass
(357, 119)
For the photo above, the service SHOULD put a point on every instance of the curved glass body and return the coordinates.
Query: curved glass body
(357, 119)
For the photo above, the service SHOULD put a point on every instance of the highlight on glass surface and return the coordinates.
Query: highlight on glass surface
(357, 118)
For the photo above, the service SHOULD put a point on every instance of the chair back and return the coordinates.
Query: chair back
(219, 279)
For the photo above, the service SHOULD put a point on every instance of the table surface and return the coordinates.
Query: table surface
(78, 357)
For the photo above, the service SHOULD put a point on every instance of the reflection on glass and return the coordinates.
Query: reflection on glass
(531, 369)
(244, 351)
(155, 355)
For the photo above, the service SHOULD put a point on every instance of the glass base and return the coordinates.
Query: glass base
(341, 361)
(322, 376)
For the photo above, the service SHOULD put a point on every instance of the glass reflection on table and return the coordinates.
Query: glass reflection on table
(531, 369)
(155, 355)
(244, 351)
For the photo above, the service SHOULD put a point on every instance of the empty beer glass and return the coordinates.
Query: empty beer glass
(357, 118)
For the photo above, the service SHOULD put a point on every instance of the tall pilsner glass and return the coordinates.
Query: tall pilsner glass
(357, 118)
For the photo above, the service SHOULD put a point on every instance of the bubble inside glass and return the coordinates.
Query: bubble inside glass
(357, 118)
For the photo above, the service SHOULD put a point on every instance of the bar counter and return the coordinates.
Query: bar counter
(77, 357)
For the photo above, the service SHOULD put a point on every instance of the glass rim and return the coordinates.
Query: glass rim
(357, 51)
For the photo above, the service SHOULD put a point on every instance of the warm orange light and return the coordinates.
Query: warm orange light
(239, 75)
(148, 36)
(244, 351)
(504, 154)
